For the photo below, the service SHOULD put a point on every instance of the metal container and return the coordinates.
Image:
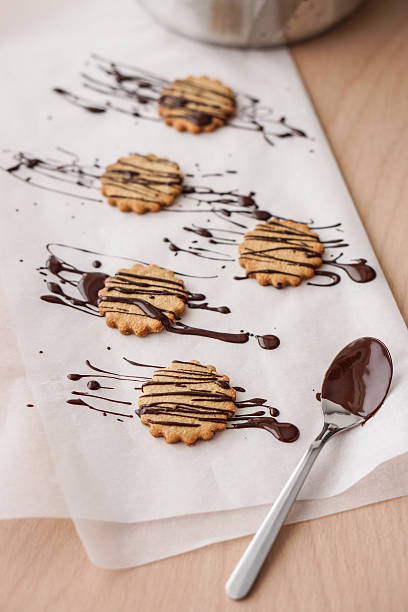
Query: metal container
(249, 23)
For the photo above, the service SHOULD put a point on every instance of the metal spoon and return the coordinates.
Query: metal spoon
(354, 388)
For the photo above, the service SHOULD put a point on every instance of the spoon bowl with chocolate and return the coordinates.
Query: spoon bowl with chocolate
(354, 388)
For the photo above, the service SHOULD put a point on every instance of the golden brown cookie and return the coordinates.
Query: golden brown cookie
(280, 253)
(196, 104)
(186, 402)
(142, 299)
(141, 183)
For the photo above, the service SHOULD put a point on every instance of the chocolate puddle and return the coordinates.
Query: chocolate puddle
(87, 283)
(359, 272)
(90, 284)
(94, 385)
(268, 341)
(359, 377)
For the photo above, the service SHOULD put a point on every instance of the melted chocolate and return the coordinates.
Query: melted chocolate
(105, 399)
(255, 401)
(222, 204)
(359, 272)
(101, 373)
(86, 283)
(180, 328)
(198, 252)
(50, 171)
(200, 231)
(78, 101)
(335, 278)
(144, 365)
(90, 284)
(359, 377)
(284, 432)
(268, 341)
(205, 306)
(80, 402)
(94, 385)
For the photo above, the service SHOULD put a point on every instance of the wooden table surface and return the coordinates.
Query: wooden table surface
(357, 77)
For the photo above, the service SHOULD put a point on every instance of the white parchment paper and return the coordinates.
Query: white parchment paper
(113, 471)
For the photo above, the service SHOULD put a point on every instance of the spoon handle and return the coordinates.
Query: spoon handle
(247, 569)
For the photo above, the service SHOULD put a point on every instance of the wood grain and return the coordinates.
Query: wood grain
(355, 561)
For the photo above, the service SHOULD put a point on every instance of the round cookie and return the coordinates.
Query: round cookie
(141, 183)
(196, 104)
(142, 299)
(280, 253)
(186, 402)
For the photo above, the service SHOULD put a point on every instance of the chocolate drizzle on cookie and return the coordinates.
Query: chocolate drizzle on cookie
(284, 252)
(185, 386)
(139, 187)
(140, 291)
(196, 102)
(133, 290)
(136, 92)
(141, 183)
(186, 395)
(131, 287)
